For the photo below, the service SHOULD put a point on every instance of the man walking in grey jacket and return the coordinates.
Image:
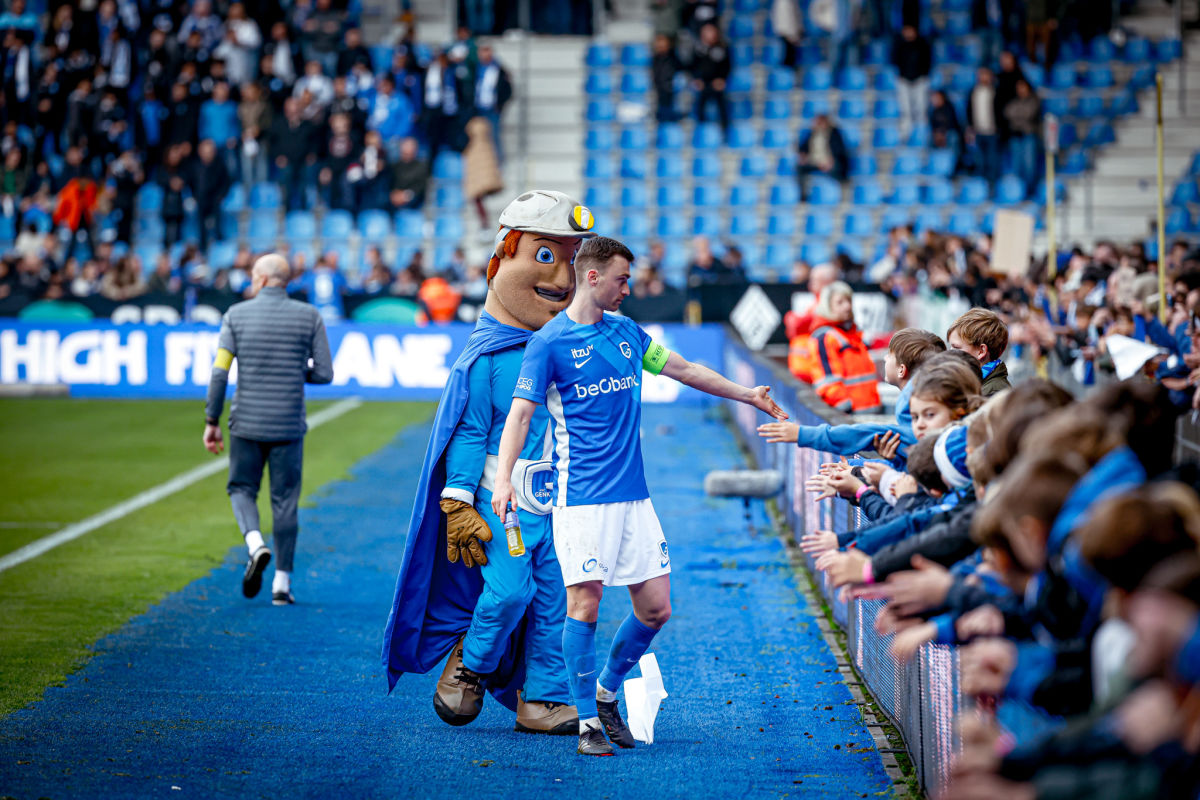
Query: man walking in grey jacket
(280, 345)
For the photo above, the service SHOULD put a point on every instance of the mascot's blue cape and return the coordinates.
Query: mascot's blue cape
(435, 599)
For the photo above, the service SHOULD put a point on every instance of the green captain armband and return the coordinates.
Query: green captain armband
(655, 358)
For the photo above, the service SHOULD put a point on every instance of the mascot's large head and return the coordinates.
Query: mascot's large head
(531, 275)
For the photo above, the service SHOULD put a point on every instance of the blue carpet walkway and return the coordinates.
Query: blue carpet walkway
(210, 695)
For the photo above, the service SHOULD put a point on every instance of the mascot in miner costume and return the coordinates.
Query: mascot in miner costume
(461, 591)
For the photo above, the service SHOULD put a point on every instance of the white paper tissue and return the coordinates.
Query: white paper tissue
(642, 698)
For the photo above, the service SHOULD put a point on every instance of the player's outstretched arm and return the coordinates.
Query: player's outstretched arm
(516, 428)
(706, 380)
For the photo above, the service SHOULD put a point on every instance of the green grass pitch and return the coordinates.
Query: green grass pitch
(66, 459)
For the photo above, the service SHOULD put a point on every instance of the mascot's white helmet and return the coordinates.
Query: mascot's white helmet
(549, 212)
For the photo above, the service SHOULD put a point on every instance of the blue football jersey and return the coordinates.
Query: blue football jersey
(590, 379)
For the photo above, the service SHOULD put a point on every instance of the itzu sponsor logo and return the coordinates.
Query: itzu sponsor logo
(606, 386)
(582, 355)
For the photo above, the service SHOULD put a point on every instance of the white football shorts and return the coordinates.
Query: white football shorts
(617, 543)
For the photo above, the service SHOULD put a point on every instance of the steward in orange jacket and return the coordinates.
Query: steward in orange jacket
(833, 358)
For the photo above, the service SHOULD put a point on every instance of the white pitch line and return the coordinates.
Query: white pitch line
(152, 495)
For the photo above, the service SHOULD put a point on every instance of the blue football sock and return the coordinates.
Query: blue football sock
(629, 645)
(579, 651)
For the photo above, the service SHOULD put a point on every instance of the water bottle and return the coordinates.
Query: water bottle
(512, 530)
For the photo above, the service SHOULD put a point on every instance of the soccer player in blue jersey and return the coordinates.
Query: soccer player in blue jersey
(586, 367)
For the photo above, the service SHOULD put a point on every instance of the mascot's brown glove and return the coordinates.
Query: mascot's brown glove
(465, 529)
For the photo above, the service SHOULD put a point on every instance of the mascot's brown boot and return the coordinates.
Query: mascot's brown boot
(458, 698)
(546, 716)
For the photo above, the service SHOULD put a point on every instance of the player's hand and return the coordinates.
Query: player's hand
(818, 542)
(502, 496)
(773, 432)
(213, 441)
(465, 529)
(887, 444)
(760, 398)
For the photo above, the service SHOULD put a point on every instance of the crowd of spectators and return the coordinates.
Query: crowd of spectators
(194, 97)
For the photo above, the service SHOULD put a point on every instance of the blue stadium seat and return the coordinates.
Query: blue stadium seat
(635, 83)
(824, 192)
(785, 193)
(905, 193)
(816, 251)
(772, 53)
(852, 108)
(264, 224)
(885, 137)
(894, 218)
(742, 53)
(600, 110)
(962, 80)
(1100, 134)
(743, 194)
(1101, 50)
(449, 228)
(818, 79)
(937, 192)
(635, 196)
(781, 80)
(707, 136)
(852, 136)
(1068, 135)
(973, 191)
(634, 137)
(1060, 191)
(234, 201)
(1074, 162)
(600, 54)
(340, 224)
(448, 166)
(634, 167)
(969, 52)
(885, 80)
(599, 196)
(1089, 105)
(941, 162)
(852, 79)
(867, 192)
(1062, 76)
(600, 168)
(374, 225)
(777, 108)
(753, 166)
(780, 255)
(988, 223)
(1194, 169)
(963, 223)
(943, 51)
(670, 135)
(265, 195)
(919, 136)
(786, 166)
(1057, 104)
(1185, 192)
(1137, 50)
(449, 196)
(741, 27)
(598, 139)
(381, 57)
(858, 223)
(929, 221)
(1123, 103)
(1168, 50)
(1098, 76)
(812, 106)
(706, 166)
(668, 166)
(670, 196)
(743, 225)
(957, 23)
(149, 199)
(1010, 190)
(776, 137)
(671, 226)
(706, 196)
(741, 81)
(742, 136)
(741, 110)
(706, 225)
(863, 165)
(598, 84)
(876, 53)
(1035, 74)
(908, 162)
(221, 255)
(781, 224)
(411, 225)
(819, 224)
(886, 108)
(635, 227)
(854, 249)
(635, 54)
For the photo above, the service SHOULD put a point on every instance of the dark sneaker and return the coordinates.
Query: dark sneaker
(614, 726)
(283, 599)
(546, 716)
(252, 577)
(458, 698)
(593, 743)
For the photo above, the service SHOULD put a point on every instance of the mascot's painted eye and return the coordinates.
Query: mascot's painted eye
(544, 255)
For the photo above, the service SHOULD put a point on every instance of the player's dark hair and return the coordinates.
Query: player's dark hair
(597, 252)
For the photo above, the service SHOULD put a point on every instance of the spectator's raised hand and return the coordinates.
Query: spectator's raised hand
(818, 542)
(873, 472)
(907, 642)
(843, 569)
(787, 432)
(887, 444)
(905, 484)
(819, 485)
(985, 666)
(844, 483)
(982, 621)
(921, 588)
